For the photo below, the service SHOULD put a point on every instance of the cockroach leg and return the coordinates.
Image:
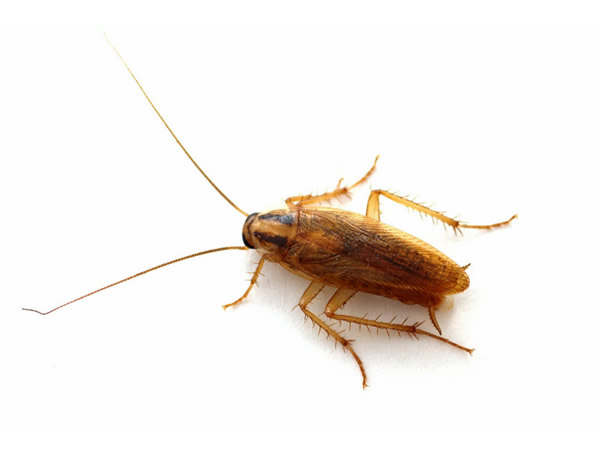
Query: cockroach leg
(489, 227)
(310, 199)
(373, 211)
(434, 320)
(337, 300)
(310, 293)
(253, 281)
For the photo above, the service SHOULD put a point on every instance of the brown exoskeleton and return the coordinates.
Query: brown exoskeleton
(346, 250)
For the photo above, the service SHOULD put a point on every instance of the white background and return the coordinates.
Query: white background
(485, 120)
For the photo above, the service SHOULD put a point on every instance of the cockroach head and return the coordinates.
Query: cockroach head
(269, 232)
(246, 230)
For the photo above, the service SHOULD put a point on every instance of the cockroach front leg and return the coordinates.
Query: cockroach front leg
(311, 292)
(373, 211)
(341, 296)
(253, 281)
(302, 200)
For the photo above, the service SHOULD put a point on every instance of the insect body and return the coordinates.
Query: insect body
(349, 251)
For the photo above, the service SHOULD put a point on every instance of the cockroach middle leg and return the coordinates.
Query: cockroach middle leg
(374, 212)
(253, 281)
(310, 293)
(339, 191)
(341, 296)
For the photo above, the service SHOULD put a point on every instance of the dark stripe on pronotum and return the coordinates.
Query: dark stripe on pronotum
(279, 241)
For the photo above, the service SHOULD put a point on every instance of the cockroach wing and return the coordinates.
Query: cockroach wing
(352, 251)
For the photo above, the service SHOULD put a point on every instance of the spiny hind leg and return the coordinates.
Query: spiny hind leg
(339, 191)
(253, 281)
(311, 292)
(341, 296)
(374, 212)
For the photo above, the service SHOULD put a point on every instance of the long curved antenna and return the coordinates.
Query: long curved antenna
(137, 275)
(171, 131)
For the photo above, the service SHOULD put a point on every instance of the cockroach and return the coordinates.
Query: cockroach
(349, 251)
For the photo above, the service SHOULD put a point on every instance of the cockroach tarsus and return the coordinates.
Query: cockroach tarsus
(349, 251)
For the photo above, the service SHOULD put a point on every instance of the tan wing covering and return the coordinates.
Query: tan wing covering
(352, 251)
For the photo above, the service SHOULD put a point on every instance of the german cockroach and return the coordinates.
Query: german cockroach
(346, 250)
